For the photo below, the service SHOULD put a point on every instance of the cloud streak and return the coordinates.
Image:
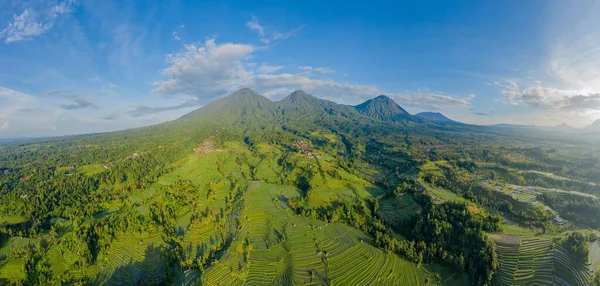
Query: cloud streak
(253, 25)
(269, 69)
(176, 32)
(21, 113)
(32, 23)
(141, 110)
(322, 70)
(78, 103)
(272, 37)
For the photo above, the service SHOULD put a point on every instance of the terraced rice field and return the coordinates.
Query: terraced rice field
(288, 249)
(399, 210)
(133, 258)
(569, 271)
(11, 270)
(451, 276)
(441, 195)
(266, 242)
(534, 261)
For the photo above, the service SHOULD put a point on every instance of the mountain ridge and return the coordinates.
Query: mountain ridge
(246, 103)
(435, 116)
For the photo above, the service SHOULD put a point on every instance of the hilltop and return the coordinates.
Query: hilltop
(382, 108)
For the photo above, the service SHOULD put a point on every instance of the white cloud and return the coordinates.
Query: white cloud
(432, 100)
(23, 27)
(536, 94)
(205, 71)
(307, 69)
(78, 102)
(12, 101)
(567, 88)
(21, 114)
(212, 70)
(269, 69)
(32, 23)
(274, 36)
(282, 36)
(574, 54)
(277, 86)
(253, 25)
(141, 110)
(176, 32)
(324, 70)
(559, 105)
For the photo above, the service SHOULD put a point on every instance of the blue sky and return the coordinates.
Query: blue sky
(76, 66)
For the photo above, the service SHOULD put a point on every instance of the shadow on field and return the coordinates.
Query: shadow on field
(150, 271)
(3, 241)
(375, 191)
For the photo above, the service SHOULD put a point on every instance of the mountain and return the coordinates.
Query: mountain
(241, 185)
(594, 127)
(382, 108)
(506, 125)
(13, 140)
(566, 128)
(435, 116)
(300, 101)
(562, 128)
(242, 103)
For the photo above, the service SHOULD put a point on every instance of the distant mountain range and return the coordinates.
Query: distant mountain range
(564, 128)
(245, 102)
(435, 116)
(594, 127)
(245, 105)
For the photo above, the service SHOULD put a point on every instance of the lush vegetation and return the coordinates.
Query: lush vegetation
(301, 191)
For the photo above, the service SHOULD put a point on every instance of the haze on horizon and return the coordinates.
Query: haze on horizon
(75, 66)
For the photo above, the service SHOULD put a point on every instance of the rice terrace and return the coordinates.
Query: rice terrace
(411, 143)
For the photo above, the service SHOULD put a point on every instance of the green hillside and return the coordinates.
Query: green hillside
(303, 191)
